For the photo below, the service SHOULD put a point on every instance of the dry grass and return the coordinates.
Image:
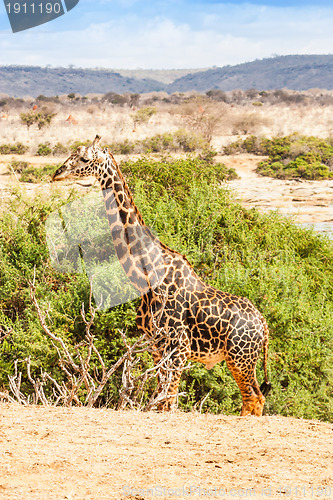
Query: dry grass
(113, 124)
(223, 122)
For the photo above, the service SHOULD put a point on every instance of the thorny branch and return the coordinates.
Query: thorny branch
(83, 383)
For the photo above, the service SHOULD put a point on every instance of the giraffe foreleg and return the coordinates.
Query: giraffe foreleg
(170, 367)
(170, 394)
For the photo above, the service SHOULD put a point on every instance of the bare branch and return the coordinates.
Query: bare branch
(84, 384)
(15, 386)
(4, 333)
(46, 329)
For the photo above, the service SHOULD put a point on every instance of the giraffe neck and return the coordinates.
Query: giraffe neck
(140, 253)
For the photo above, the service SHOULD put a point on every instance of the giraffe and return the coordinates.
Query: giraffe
(198, 322)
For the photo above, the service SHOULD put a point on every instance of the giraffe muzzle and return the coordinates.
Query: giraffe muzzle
(60, 174)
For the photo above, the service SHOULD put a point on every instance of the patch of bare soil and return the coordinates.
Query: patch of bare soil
(309, 202)
(79, 453)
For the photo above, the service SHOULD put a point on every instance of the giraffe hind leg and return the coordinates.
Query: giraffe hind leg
(253, 402)
(253, 399)
(168, 403)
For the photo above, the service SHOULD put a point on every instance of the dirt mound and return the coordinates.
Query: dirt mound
(79, 453)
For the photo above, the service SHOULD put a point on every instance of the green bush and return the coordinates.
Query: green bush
(43, 98)
(41, 118)
(143, 115)
(18, 149)
(176, 175)
(77, 144)
(278, 146)
(44, 149)
(37, 174)
(181, 140)
(125, 147)
(190, 142)
(59, 149)
(115, 98)
(18, 166)
(304, 166)
(158, 143)
(293, 156)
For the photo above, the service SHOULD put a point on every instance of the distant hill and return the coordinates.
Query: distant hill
(293, 72)
(300, 72)
(20, 81)
(161, 75)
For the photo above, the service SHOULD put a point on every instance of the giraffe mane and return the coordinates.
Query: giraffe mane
(126, 188)
(137, 212)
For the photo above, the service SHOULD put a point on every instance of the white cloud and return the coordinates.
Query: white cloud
(219, 36)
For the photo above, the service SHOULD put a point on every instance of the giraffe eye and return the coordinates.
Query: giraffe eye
(84, 160)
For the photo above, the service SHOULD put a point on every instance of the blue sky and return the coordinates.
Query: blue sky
(171, 33)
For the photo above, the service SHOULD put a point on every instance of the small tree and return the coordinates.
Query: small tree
(41, 119)
(143, 115)
(134, 99)
(28, 119)
(44, 118)
(44, 149)
(203, 116)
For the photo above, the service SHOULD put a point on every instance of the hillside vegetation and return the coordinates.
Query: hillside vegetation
(286, 271)
(295, 72)
(22, 81)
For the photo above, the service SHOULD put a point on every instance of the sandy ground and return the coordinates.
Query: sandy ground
(80, 453)
(307, 201)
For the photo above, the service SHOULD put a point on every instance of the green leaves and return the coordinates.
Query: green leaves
(175, 176)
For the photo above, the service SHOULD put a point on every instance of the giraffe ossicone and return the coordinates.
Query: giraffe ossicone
(198, 322)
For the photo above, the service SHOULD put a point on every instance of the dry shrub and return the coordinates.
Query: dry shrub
(92, 109)
(203, 116)
(249, 123)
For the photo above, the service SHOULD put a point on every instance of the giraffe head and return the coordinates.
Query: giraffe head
(85, 161)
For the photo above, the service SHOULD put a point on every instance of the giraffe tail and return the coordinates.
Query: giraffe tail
(265, 386)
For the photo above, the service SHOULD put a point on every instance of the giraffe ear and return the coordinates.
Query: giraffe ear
(96, 141)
